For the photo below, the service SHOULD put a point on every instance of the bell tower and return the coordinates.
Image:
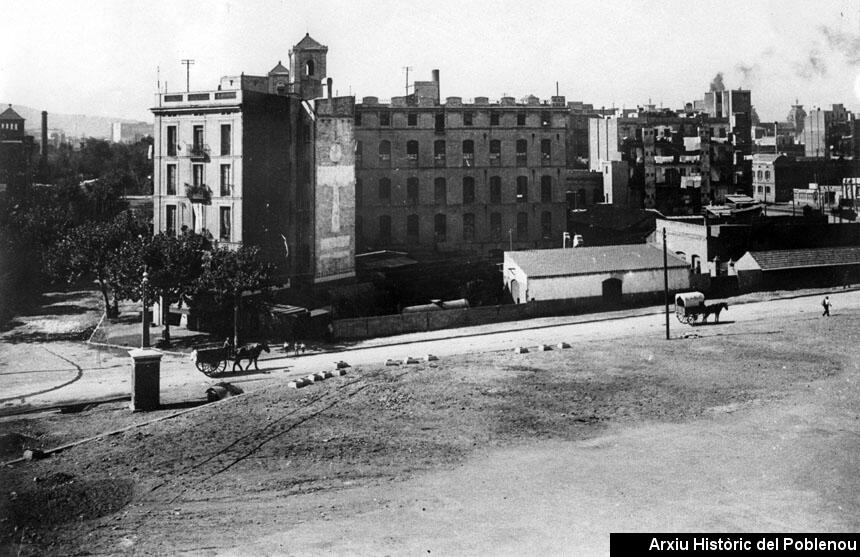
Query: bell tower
(307, 61)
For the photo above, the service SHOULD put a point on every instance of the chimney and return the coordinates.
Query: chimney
(438, 89)
(329, 85)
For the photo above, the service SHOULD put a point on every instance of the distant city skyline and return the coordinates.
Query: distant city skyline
(104, 58)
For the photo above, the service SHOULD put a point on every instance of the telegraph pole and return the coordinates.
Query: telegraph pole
(666, 281)
(407, 68)
(188, 64)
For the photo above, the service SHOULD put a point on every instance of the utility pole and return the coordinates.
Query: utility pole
(407, 68)
(188, 64)
(666, 281)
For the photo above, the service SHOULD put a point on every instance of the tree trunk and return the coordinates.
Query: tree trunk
(104, 289)
(165, 316)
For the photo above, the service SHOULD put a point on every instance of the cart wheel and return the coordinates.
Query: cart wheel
(223, 367)
(694, 319)
(207, 368)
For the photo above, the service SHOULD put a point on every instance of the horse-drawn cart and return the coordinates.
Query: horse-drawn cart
(690, 307)
(212, 361)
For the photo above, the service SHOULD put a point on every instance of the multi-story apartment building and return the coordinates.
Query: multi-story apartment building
(476, 176)
(239, 163)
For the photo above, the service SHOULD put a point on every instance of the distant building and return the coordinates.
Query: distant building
(130, 132)
(797, 268)
(16, 151)
(776, 176)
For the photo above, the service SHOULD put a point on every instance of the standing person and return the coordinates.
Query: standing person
(825, 303)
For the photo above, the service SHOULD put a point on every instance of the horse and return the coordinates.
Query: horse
(714, 309)
(249, 352)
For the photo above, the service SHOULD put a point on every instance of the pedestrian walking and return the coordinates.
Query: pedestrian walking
(296, 348)
(303, 348)
(825, 303)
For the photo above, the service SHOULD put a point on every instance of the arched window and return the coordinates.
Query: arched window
(495, 189)
(440, 227)
(546, 189)
(522, 226)
(468, 227)
(495, 151)
(309, 67)
(384, 228)
(385, 190)
(468, 190)
(439, 152)
(522, 189)
(767, 174)
(468, 153)
(546, 225)
(412, 229)
(412, 190)
(412, 152)
(545, 151)
(440, 191)
(522, 150)
(384, 153)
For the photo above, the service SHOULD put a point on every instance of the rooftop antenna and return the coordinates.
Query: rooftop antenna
(158, 82)
(188, 64)
(407, 68)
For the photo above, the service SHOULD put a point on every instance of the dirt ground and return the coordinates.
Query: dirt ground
(751, 426)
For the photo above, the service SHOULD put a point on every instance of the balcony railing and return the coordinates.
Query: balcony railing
(198, 193)
(198, 151)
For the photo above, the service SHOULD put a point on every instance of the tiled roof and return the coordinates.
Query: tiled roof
(591, 260)
(10, 114)
(796, 258)
(308, 43)
(279, 69)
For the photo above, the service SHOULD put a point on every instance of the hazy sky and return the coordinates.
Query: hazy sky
(100, 57)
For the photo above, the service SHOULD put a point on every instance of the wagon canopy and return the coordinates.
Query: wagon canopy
(689, 299)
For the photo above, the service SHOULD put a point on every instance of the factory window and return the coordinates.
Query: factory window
(384, 118)
(494, 118)
(521, 118)
(412, 119)
(467, 118)
(468, 190)
(468, 153)
(546, 225)
(546, 189)
(440, 122)
(170, 220)
(545, 119)
(412, 152)
(171, 179)
(226, 134)
(171, 141)
(522, 148)
(385, 190)
(439, 152)
(496, 226)
(468, 227)
(225, 224)
(522, 226)
(545, 151)
(495, 189)
(440, 227)
(359, 154)
(412, 229)
(357, 119)
(359, 192)
(522, 189)
(384, 228)
(385, 153)
(412, 190)
(495, 152)
(440, 191)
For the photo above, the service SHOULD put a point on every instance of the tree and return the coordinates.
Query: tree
(228, 273)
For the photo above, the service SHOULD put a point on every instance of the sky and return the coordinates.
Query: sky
(105, 57)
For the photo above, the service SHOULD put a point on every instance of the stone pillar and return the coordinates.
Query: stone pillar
(145, 379)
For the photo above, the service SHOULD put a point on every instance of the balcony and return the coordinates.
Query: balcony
(198, 151)
(198, 193)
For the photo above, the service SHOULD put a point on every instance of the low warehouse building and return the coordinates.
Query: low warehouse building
(603, 274)
(798, 268)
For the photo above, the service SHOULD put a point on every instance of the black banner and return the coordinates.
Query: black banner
(733, 544)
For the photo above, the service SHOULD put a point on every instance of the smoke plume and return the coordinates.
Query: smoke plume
(844, 43)
(717, 82)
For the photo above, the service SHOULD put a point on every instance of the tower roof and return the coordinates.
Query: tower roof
(279, 69)
(10, 114)
(307, 43)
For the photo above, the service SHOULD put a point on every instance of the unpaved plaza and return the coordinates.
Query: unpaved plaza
(752, 426)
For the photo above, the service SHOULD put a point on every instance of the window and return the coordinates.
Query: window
(496, 226)
(309, 68)
(495, 152)
(759, 189)
(439, 152)
(357, 119)
(412, 229)
(412, 190)
(758, 174)
(384, 190)
(546, 225)
(767, 174)
(197, 148)
(468, 227)
(171, 141)
(767, 189)
(522, 149)
(412, 119)
(521, 118)
(467, 118)
(494, 118)
(522, 189)
(225, 225)
(545, 119)
(722, 132)
(412, 152)
(440, 227)
(226, 133)
(384, 228)
(440, 122)
(545, 151)
(522, 226)
(440, 191)
(468, 153)
(468, 190)
(385, 153)
(359, 154)
(359, 192)
(495, 189)
(170, 220)
(384, 119)
(171, 179)
(546, 189)
(197, 173)
(226, 182)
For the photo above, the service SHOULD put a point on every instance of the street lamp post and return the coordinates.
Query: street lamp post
(144, 334)
(666, 282)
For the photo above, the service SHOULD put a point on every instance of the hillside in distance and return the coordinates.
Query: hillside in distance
(73, 125)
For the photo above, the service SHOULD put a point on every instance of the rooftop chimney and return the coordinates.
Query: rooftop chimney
(438, 88)
(328, 86)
